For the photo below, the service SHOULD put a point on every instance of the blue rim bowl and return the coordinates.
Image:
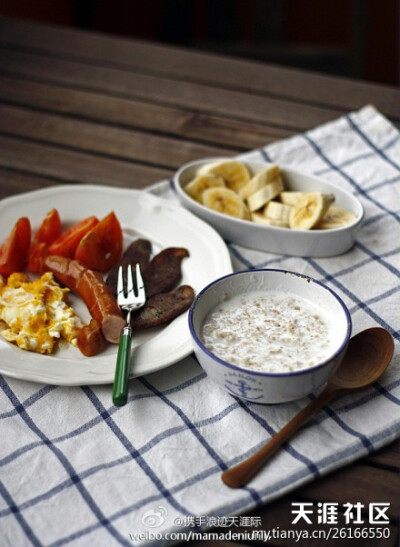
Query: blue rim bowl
(268, 387)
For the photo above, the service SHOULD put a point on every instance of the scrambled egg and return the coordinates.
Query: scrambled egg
(35, 315)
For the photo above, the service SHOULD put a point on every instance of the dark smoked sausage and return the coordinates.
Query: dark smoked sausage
(138, 252)
(164, 270)
(163, 307)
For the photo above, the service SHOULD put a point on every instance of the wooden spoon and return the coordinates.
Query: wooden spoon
(367, 357)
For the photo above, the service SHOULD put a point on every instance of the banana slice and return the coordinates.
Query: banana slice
(225, 201)
(196, 187)
(262, 219)
(277, 211)
(263, 196)
(335, 218)
(291, 198)
(259, 181)
(310, 210)
(234, 173)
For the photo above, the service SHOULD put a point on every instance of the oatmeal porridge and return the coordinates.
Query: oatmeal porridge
(268, 332)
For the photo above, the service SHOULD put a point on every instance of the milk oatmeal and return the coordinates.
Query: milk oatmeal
(268, 332)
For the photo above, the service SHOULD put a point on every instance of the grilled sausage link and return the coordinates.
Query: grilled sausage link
(90, 286)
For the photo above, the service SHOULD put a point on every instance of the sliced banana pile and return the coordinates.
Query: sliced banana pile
(229, 188)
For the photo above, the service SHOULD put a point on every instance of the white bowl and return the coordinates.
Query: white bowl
(266, 387)
(311, 243)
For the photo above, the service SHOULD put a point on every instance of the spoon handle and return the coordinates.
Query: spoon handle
(241, 474)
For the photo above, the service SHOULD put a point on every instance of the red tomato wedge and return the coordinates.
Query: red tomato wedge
(48, 232)
(15, 248)
(67, 243)
(101, 248)
(37, 252)
(50, 229)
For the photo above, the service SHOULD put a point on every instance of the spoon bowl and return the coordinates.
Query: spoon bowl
(367, 357)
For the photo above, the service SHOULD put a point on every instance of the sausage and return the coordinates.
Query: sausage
(138, 252)
(164, 271)
(90, 286)
(163, 307)
(90, 339)
(160, 275)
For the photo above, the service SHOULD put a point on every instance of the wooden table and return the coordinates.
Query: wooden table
(85, 108)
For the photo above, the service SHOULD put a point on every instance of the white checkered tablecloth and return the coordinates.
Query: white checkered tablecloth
(76, 470)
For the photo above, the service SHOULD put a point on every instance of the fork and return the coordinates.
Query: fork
(128, 303)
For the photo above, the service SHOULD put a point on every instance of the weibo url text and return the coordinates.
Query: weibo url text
(267, 535)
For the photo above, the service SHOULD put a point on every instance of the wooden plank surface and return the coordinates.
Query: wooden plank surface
(387, 458)
(75, 167)
(336, 93)
(239, 105)
(17, 182)
(136, 114)
(103, 139)
(87, 108)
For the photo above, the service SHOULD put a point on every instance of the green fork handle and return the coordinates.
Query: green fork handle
(120, 388)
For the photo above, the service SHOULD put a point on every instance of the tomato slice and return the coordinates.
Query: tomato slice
(50, 229)
(67, 243)
(15, 248)
(36, 253)
(101, 248)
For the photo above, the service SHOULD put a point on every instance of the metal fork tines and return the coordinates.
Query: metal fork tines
(129, 301)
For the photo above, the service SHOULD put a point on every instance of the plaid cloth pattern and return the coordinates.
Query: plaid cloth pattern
(76, 470)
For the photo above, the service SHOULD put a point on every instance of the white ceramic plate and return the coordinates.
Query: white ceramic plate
(312, 243)
(141, 215)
